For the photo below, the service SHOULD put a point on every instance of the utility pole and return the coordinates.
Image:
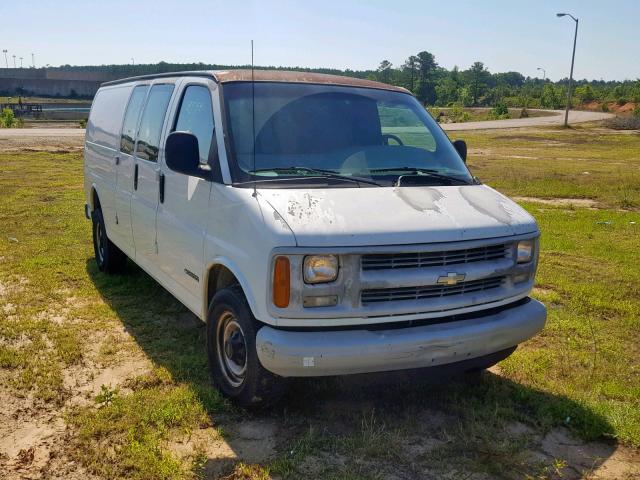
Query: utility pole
(573, 56)
(6, 62)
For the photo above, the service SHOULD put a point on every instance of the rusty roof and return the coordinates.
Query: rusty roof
(244, 75)
(225, 76)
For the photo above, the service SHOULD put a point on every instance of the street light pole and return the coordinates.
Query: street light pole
(573, 56)
(20, 62)
(6, 62)
(33, 61)
(544, 73)
(14, 61)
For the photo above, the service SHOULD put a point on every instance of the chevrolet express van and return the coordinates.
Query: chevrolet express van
(319, 225)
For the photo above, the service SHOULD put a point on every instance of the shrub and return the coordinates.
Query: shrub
(524, 113)
(585, 93)
(621, 101)
(83, 123)
(551, 97)
(636, 110)
(458, 115)
(8, 119)
(605, 107)
(499, 111)
(624, 123)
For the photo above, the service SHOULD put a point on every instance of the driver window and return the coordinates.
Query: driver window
(401, 126)
(196, 116)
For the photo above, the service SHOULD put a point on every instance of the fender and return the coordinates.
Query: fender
(236, 271)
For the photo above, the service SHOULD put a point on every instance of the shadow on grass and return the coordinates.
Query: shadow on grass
(340, 409)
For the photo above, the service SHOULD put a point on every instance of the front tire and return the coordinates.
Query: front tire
(110, 259)
(231, 350)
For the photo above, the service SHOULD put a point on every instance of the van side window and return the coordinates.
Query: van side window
(196, 116)
(152, 120)
(130, 123)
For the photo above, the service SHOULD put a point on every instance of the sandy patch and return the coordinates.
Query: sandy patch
(559, 202)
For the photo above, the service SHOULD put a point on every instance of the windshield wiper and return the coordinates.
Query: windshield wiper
(420, 171)
(316, 171)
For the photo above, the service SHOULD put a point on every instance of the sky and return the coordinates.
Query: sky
(504, 35)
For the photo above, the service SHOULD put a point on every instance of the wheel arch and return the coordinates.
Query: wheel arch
(94, 198)
(223, 273)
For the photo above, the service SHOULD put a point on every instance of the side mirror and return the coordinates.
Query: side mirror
(461, 148)
(183, 155)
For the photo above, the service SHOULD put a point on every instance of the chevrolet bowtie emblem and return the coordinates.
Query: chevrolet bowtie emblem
(451, 278)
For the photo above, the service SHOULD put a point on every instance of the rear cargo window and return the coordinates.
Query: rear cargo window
(152, 120)
(130, 123)
(105, 120)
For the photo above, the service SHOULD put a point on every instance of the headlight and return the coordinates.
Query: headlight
(320, 268)
(525, 251)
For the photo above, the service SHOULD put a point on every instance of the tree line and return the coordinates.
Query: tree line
(476, 86)
(434, 85)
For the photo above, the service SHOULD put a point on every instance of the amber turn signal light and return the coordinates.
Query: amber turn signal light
(281, 282)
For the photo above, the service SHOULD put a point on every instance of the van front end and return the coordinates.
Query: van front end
(356, 310)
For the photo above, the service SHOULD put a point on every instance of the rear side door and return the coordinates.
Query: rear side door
(101, 151)
(146, 173)
(184, 207)
(125, 168)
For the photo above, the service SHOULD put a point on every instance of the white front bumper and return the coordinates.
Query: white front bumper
(341, 352)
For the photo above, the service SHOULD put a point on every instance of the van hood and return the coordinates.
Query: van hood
(335, 217)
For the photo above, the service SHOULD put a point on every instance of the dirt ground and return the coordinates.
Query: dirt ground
(33, 439)
(71, 141)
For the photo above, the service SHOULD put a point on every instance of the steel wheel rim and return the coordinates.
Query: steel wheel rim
(231, 349)
(99, 243)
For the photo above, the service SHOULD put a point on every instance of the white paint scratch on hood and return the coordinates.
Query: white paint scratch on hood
(401, 215)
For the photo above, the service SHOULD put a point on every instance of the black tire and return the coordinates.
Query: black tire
(110, 259)
(237, 372)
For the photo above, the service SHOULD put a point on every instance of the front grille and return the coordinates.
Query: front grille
(431, 291)
(386, 261)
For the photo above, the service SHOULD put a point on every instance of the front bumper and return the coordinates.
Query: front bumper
(321, 353)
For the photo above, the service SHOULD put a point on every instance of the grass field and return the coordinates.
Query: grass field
(111, 371)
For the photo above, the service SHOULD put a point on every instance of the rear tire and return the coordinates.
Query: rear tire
(110, 259)
(231, 350)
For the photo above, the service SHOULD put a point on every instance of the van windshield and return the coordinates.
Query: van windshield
(308, 132)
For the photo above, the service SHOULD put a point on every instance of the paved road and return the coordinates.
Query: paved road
(556, 119)
(575, 116)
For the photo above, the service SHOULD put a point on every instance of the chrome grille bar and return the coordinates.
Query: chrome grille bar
(433, 259)
(431, 291)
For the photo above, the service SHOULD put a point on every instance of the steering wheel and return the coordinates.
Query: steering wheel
(391, 136)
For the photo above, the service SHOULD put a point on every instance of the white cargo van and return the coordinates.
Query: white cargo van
(319, 225)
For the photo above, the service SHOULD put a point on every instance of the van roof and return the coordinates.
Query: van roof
(285, 76)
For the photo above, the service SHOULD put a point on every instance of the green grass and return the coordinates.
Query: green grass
(58, 315)
(580, 162)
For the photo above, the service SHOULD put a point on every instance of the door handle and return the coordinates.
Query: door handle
(161, 184)
(117, 159)
(135, 177)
